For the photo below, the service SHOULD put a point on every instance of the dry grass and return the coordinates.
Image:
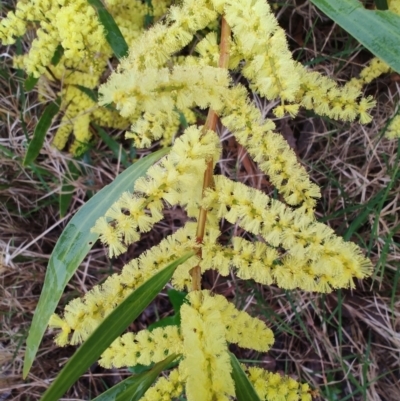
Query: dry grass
(346, 344)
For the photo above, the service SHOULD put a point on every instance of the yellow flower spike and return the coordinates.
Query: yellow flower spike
(269, 150)
(256, 263)
(13, 26)
(373, 70)
(393, 130)
(158, 93)
(142, 348)
(170, 181)
(165, 389)
(274, 387)
(130, 16)
(246, 331)
(80, 111)
(206, 366)
(76, 27)
(61, 137)
(83, 315)
(82, 134)
(262, 43)
(329, 263)
(324, 96)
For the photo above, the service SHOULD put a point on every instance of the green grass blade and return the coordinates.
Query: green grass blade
(115, 147)
(244, 389)
(41, 129)
(73, 245)
(134, 387)
(67, 189)
(377, 30)
(113, 34)
(111, 327)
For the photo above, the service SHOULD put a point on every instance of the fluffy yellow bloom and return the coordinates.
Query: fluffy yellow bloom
(81, 34)
(326, 98)
(269, 65)
(241, 328)
(315, 259)
(61, 338)
(393, 130)
(274, 387)
(133, 16)
(75, 26)
(208, 324)
(151, 95)
(13, 25)
(142, 348)
(206, 366)
(152, 126)
(373, 70)
(152, 88)
(160, 94)
(82, 316)
(165, 389)
(155, 46)
(79, 111)
(169, 181)
(250, 260)
(72, 24)
(269, 150)
(145, 347)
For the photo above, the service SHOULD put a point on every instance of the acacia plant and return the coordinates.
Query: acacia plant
(159, 80)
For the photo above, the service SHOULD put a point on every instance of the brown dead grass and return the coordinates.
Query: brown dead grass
(339, 343)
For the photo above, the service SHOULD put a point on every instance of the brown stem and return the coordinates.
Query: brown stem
(210, 124)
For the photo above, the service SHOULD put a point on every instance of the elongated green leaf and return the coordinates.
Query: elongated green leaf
(166, 321)
(41, 129)
(89, 92)
(92, 94)
(59, 52)
(244, 389)
(133, 388)
(30, 83)
(113, 34)
(111, 327)
(116, 147)
(177, 298)
(377, 30)
(381, 4)
(73, 245)
(139, 368)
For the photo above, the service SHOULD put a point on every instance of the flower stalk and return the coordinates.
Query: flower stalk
(210, 124)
